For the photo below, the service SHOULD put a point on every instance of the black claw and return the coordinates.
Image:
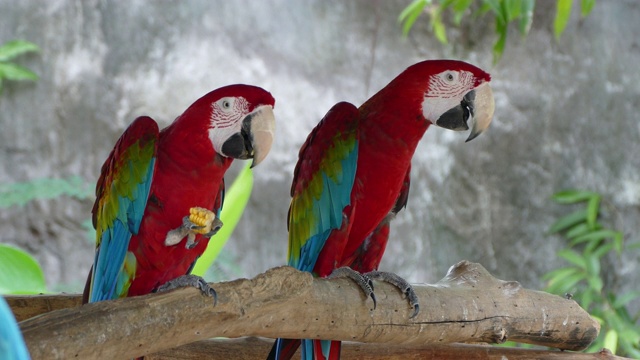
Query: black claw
(191, 246)
(191, 281)
(207, 290)
(416, 310)
(402, 285)
(364, 282)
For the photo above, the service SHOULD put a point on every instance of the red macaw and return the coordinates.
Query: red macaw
(160, 187)
(353, 172)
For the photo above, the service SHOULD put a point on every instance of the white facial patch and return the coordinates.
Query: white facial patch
(226, 119)
(446, 91)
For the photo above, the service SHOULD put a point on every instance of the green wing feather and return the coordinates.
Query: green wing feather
(121, 197)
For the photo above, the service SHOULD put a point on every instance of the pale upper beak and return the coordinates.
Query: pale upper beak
(262, 132)
(476, 107)
(483, 114)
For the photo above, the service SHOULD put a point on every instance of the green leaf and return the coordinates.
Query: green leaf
(586, 6)
(593, 209)
(15, 72)
(410, 14)
(484, 8)
(526, 18)
(438, 27)
(602, 250)
(573, 196)
(595, 282)
(593, 263)
(460, 7)
(573, 257)
(559, 274)
(498, 46)
(494, 5)
(568, 221)
(611, 341)
(579, 230)
(623, 300)
(586, 299)
(633, 245)
(15, 48)
(234, 203)
(595, 236)
(513, 9)
(618, 239)
(567, 284)
(562, 280)
(20, 273)
(563, 13)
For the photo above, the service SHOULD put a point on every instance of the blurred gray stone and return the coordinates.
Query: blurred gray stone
(566, 117)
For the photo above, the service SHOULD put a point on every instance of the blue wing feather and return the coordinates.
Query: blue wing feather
(12, 346)
(122, 193)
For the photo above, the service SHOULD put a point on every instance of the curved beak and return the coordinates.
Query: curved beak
(476, 107)
(255, 137)
(483, 113)
(262, 127)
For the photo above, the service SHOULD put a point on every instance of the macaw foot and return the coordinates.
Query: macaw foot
(190, 281)
(200, 221)
(362, 280)
(401, 284)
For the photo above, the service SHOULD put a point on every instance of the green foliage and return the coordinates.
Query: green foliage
(235, 201)
(589, 242)
(18, 194)
(20, 273)
(504, 12)
(11, 71)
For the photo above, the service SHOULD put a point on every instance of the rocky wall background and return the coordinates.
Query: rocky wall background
(566, 117)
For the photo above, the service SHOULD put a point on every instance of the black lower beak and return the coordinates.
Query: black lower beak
(238, 145)
(457, 117)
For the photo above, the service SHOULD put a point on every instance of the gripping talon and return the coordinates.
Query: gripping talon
(402, 285)
(362, 280)
(190, 281)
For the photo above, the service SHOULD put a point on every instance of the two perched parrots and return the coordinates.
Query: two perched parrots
(160, 188)
(353, 171)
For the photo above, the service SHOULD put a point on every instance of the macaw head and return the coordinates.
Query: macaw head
(455, 95)
(240, 123)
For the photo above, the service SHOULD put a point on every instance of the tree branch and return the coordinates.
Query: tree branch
(257, 349)
(468, 305)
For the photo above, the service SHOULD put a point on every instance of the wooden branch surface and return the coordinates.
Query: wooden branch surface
(468, 305)
(25, 307)
(258, 348)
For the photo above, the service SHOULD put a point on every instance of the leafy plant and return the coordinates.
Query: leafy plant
(18, 194)
(589, 243)
(11, 71)
(20, 273)
(504, 12)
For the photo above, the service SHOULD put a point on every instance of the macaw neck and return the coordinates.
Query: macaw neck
(190, 152)
(393, 120)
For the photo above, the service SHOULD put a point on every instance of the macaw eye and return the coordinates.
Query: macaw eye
(226, 104)
(449, 76)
